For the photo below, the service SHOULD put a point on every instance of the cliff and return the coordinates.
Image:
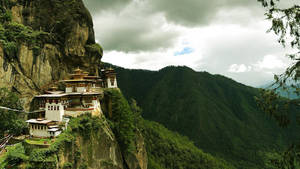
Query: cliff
(41, 41)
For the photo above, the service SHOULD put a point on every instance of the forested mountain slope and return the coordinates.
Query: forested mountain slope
(217, 113)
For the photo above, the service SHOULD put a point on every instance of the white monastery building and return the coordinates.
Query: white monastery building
(82, 95)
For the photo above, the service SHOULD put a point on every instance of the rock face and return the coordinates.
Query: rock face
(99, 151)
(49, 39)
(69, 30)
(139, 159)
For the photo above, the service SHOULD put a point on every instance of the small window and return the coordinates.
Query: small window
(48, 107)
(57, 107)
(51, 107)
(54, 107)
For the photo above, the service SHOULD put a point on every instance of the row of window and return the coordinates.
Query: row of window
(38, 127)
(53, 107)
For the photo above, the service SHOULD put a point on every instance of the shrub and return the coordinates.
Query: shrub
(94, 49)
(16, 155)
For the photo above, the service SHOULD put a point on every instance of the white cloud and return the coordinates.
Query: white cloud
(235, 68)
(229, 38)
(271, 62)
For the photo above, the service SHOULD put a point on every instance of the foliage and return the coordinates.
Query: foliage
(16, 155)
(86, 125)
(218, 114)
(286, 25)
(12, 121)
(122, 121)
(94, 49)
(13, 33)
(68, 165)
(168, 150)
(272, 104)
(5, 16)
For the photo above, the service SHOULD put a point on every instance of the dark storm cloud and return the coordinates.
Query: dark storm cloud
(131, 32)
(134, 25)
(96, 6)
(197, 12)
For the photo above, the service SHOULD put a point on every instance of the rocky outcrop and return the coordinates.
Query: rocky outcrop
(68, 29)
(57, 36)
(99, 151)
(138, 159)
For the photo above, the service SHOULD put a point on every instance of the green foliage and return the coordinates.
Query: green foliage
(218, 114)
(11, 122)
(12, 34)
(5, 17)
(168, 150)
(122, 121)
(68, 165)
(86, 125)
(16, 155)
(94, 49)
(286, 25)
(47, 157)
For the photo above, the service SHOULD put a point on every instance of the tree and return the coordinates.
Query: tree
(286, 25)
(11, 122)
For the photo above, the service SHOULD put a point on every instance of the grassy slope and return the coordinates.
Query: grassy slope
(217, 113)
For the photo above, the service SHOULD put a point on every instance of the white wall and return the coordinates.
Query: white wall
(81, 89)
(69, 89)
(39, 132)
(109, 83)
(55, 115)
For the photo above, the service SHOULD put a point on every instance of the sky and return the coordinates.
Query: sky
(227, 37)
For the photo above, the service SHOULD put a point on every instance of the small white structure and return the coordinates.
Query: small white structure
(43, 128)
(111, 78)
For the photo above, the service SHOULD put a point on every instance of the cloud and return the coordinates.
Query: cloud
(198, 12)
(96, 6)
(235, 68)
(129, 31)
(225, 37)
(271, 62)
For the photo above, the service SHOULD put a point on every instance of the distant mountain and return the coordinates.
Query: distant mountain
(218, 114)
(289, 93)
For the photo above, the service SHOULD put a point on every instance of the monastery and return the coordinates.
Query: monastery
(82, 95)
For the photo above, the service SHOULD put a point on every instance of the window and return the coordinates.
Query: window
(48, 107)
(51, 107)
(54, 107)
(57, 107)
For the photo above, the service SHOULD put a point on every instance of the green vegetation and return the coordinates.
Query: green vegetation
(12, 34)
(169, 150)
(122, 121)
(218, 114)
(285, 24)
(94, 49)
(11, 122)
(38, 141)
(15, 155)
(47, 158)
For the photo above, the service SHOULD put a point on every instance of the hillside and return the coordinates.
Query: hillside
(111, 143)
(218, 114)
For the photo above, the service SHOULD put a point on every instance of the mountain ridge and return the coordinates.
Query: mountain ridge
(218, 114)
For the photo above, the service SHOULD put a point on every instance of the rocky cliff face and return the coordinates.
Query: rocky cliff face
(41, 41)
(64, 39)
